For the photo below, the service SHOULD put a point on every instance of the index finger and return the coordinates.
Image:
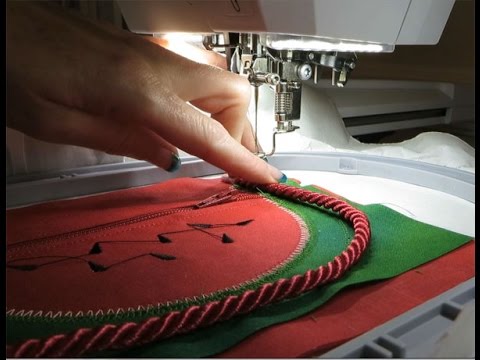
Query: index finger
(199, 135)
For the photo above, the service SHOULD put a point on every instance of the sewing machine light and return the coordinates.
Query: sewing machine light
(190, 46)
(190, 38)
(313, 43)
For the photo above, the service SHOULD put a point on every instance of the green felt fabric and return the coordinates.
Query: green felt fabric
(398, 244)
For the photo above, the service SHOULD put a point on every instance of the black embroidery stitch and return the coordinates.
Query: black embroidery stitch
(163, 239)
(31, 267)
(95, 267)
(202, 228)
(97, 248)
(226, 239)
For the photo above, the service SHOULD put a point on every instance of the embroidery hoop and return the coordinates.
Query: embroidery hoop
(126, 335)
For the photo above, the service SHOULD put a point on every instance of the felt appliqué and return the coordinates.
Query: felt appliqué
(326, 236)
(101, 286)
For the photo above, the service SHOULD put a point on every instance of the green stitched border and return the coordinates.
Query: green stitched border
(398, 244)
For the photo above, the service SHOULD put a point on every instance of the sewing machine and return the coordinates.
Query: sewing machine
(283, 44)
(292, 47)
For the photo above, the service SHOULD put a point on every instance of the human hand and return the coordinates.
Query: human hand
(73, 81)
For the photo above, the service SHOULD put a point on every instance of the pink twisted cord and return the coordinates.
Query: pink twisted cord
(113, 337)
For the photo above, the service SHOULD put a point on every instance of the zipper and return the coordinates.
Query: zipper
(230, 195)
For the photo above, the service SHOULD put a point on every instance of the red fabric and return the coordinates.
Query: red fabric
(357, 310)
(128, 334)
(206, 263)
(68, 215)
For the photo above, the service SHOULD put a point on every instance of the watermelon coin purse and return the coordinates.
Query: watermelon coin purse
(145, 271)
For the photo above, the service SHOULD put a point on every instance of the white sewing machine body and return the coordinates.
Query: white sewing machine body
(436, 170)
(283, 44)
(401, 22)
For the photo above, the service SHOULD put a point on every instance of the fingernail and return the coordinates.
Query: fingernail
(176, 162)
(283, 179)
(278, 175)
